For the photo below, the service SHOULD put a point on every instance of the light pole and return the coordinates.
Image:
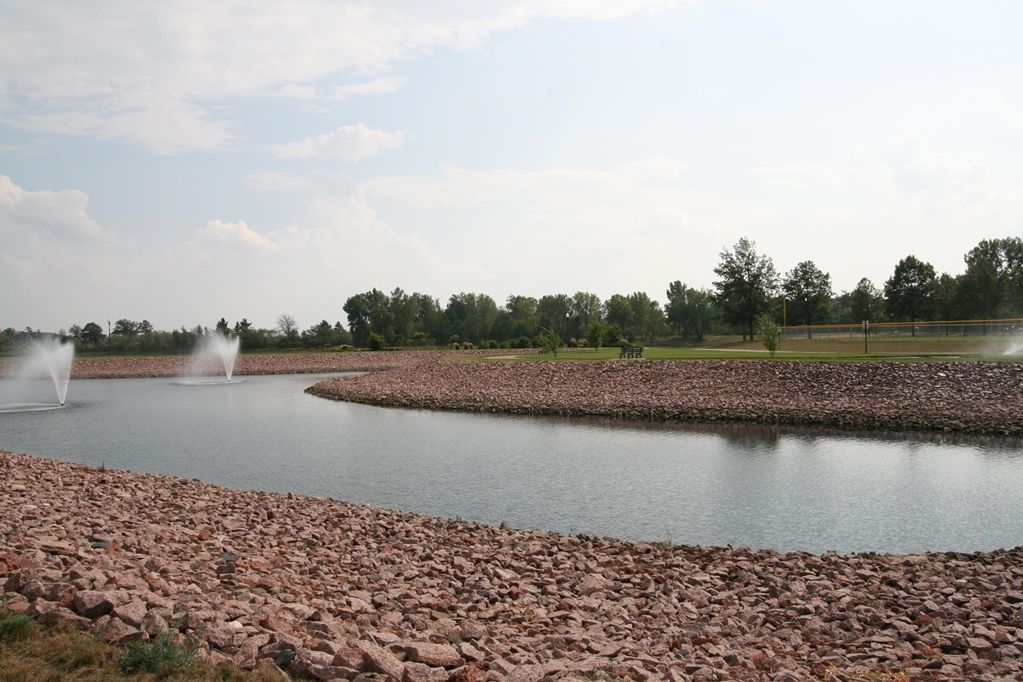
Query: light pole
(108, 337)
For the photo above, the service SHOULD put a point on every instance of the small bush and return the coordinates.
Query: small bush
(160, 655)
(15, 625)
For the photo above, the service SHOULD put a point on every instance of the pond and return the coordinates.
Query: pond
(764, 487)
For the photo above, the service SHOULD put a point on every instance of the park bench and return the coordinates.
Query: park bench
(631, 352)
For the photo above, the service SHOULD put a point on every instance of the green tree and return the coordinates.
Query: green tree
(552, 312)
(945, 298)
(93, 333)
(647, 317)
(550, 342)
(689, 311)
(993, 282)
(128, 328)
(471, 316)
(767, 330)
(376, 341)
(866, 302)
(909, 293)
(619, 313)
(596, 333)
(747, 284)
(223, 328)
(808, 290)
(522, 316)
(319, 335)
(584, 309)
(368, 312)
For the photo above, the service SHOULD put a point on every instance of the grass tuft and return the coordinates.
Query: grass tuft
(15, 625)
(160, 655)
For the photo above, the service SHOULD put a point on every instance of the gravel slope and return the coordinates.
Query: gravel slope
(338, 591)
(982, 398)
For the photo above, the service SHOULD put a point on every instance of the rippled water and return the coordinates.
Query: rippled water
(757, 486)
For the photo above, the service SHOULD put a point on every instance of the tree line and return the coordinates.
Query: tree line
(747, 287)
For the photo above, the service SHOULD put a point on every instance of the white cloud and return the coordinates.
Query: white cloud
(146, 72)
(63, 213)
(276, 181)
(350, 143)
(916, 166)
(378, 86)
(54, 257)
(295, 91)
(164, 124)
(237, 233)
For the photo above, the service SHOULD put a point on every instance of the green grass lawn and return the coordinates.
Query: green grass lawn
(906, 349)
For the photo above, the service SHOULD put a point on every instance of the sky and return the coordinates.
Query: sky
(185, 161)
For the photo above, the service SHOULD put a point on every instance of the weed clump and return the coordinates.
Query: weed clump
(14, 626)
(161, 655)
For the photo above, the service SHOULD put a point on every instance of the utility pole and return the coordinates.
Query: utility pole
(108, 337)
(866, 330)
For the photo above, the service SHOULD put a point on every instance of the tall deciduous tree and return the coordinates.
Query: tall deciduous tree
(92, 333)
(993, 282)
(648, 319)
(747, 283)
(368, 312)
(584, 309)
(689, 311)
(909, 292)
(552, 312)
(287, 326)
(866, 302)
(619, 313)
(471, 316)
(808, 290)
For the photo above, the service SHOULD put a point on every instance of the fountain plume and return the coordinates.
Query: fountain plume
(47, 359)
(215, 353)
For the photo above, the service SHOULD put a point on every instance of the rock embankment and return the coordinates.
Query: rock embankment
(340, 591)
(966, 397)
(269, 363)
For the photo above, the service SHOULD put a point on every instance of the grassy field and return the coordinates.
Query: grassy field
(30, 652)
(843, 349)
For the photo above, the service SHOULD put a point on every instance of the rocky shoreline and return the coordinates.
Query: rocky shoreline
(969, 397)
(339, 591)
(269, 363)
(977, 398)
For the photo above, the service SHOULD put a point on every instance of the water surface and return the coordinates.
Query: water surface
(740, 485)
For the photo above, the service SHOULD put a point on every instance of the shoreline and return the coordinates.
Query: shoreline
(974, 398)
(352, 589)
(967, 398)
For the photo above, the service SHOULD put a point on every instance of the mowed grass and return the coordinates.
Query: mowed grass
(827, 349)
(30, 652)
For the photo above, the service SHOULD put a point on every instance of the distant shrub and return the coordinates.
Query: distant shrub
(455, 345)
(376, 342)
(572, 343)
(583, 343)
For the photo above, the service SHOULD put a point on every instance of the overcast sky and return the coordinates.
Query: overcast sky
(183, 161)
